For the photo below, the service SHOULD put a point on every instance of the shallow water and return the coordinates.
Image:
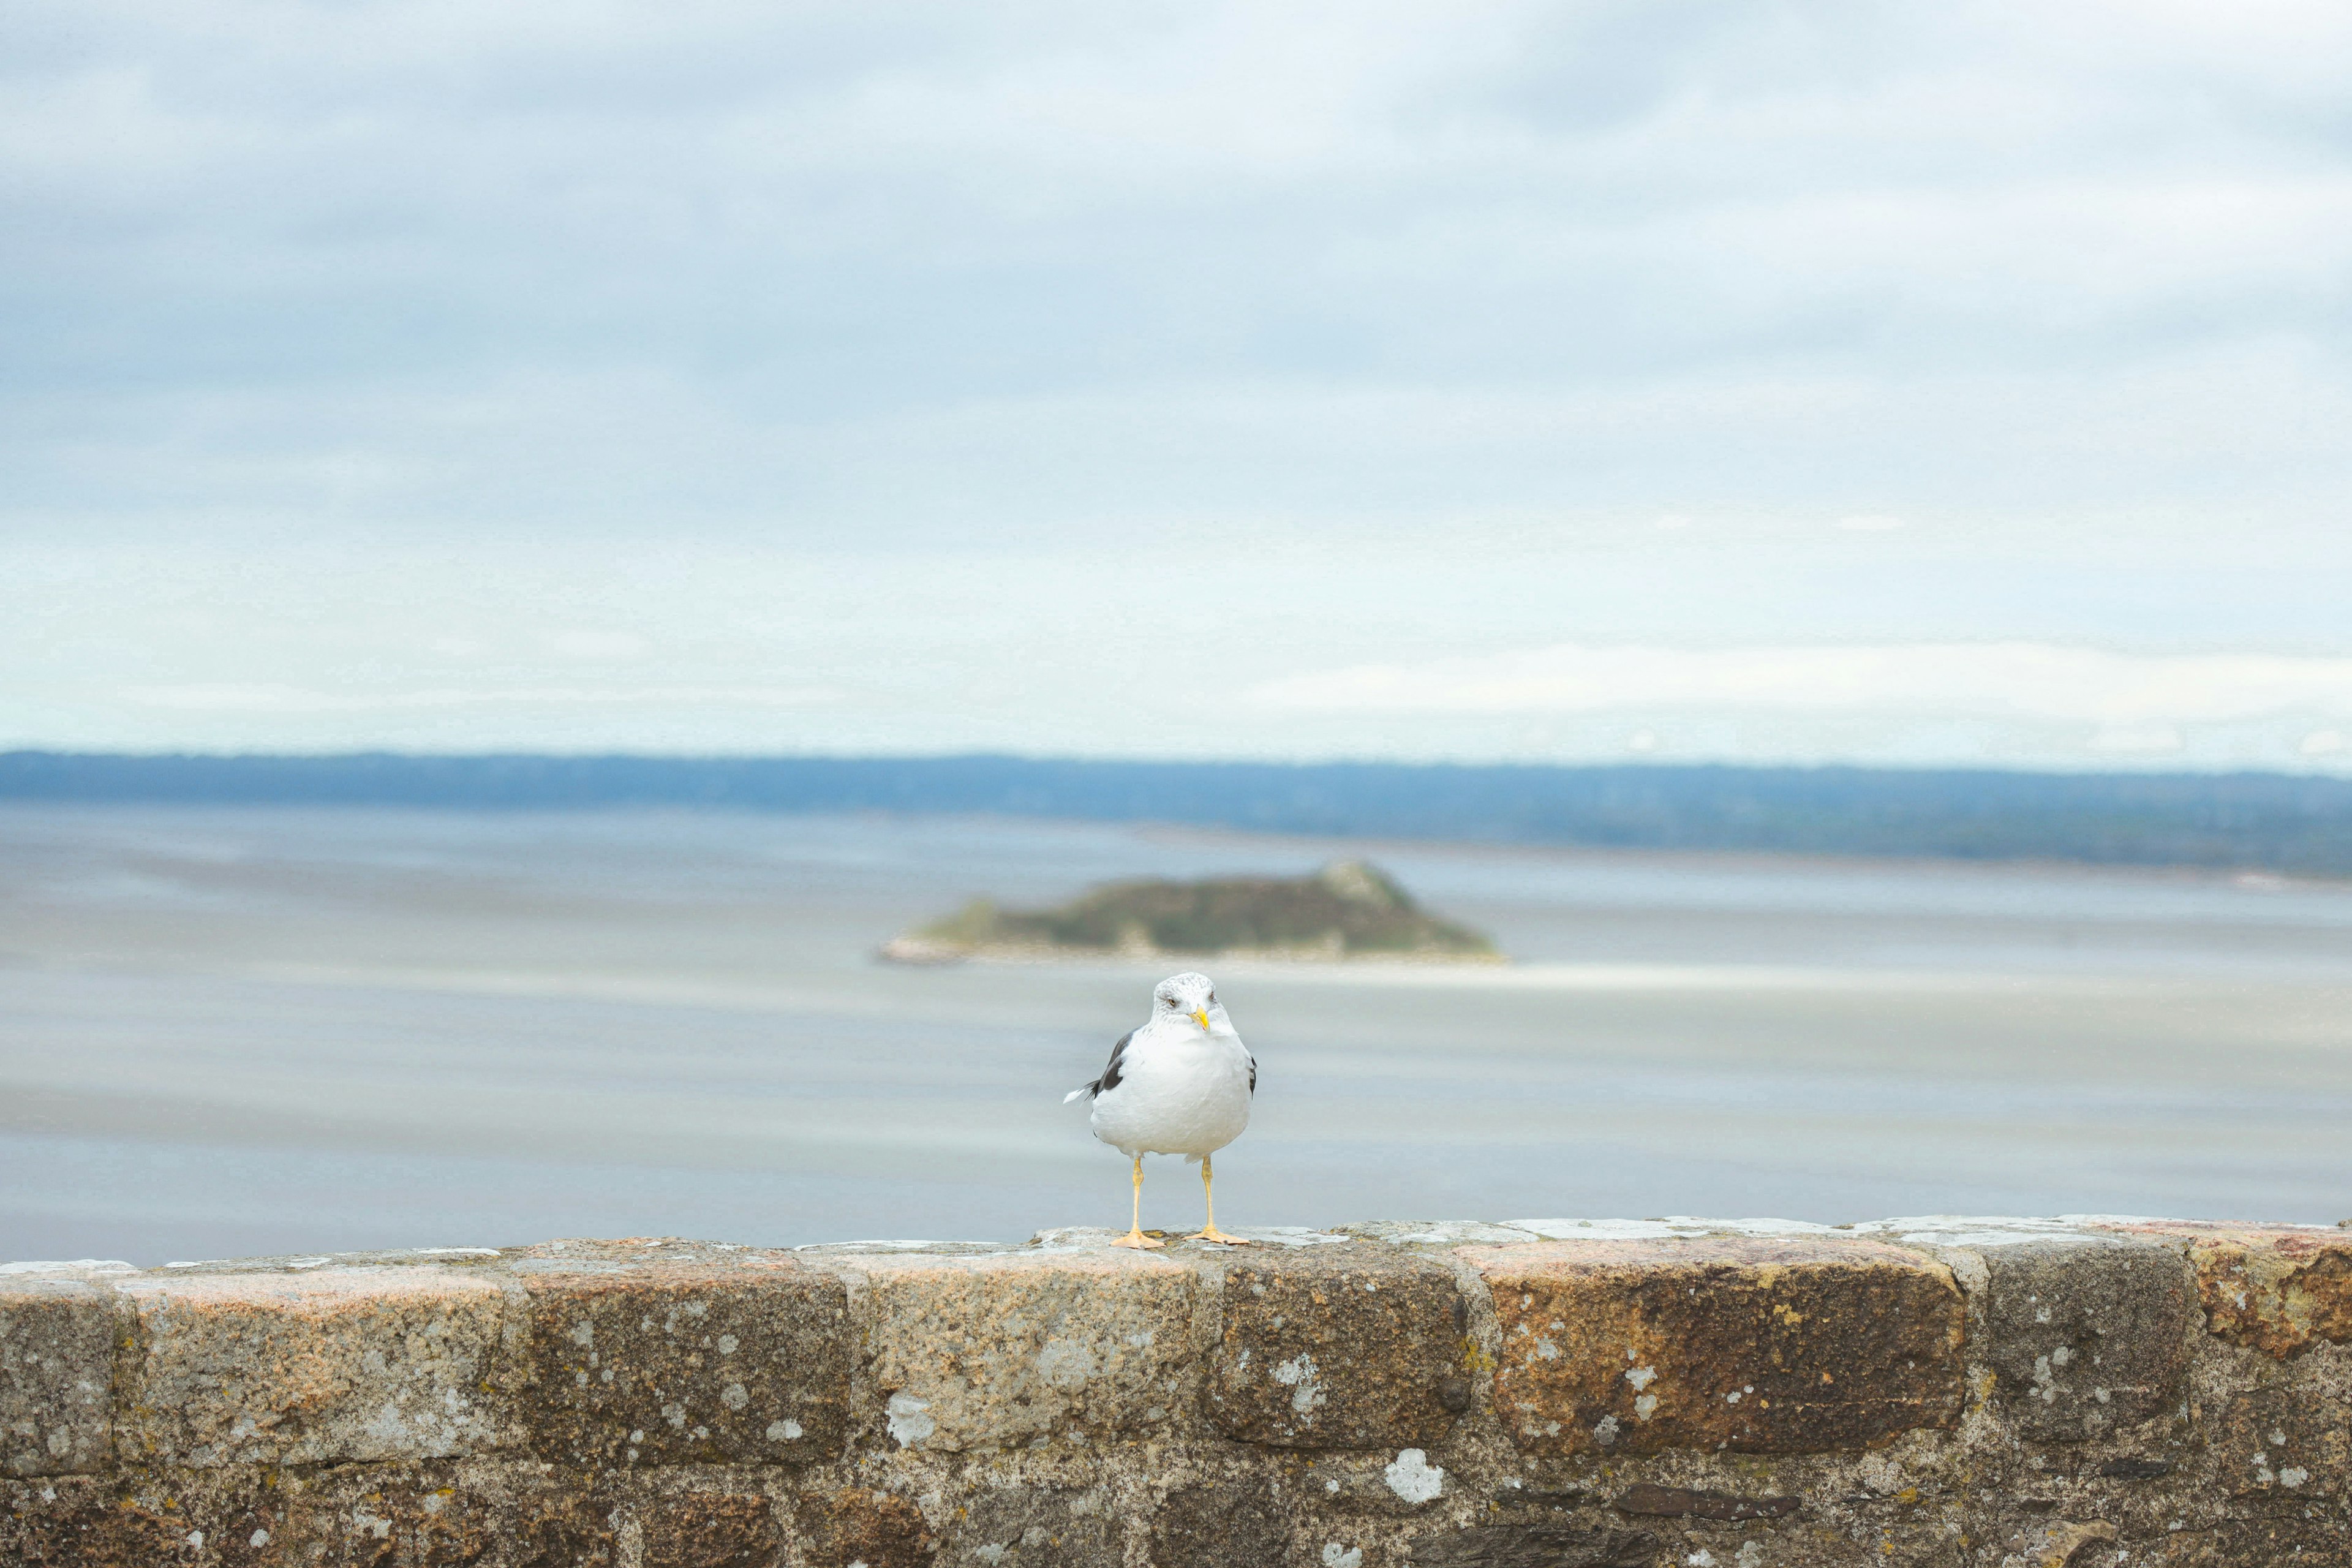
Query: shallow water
(228, 1031)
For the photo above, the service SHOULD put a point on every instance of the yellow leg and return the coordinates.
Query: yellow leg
(1135, 1237)
(1209, 1231)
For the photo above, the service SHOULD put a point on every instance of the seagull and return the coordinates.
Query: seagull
(1179, 1083)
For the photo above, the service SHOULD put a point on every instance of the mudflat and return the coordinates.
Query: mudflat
(238, 1031)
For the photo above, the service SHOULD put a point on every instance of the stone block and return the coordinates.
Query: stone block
(393, 1518)
(68, 1526)
(57, 1376)
(1220, 1524)
(1037, 1527)
(643, 1361)
(1760, 1345)
(2280, 1289)
(2086, 1332)
(1340, 1347)
(709, 1529)
(338, 1365)
(855, 1525)
(998, 1349)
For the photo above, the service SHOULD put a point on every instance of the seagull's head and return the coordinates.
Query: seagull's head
(1189, 995)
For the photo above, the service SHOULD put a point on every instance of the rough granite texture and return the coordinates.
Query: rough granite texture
(1532, 1395)
(1752, 1344)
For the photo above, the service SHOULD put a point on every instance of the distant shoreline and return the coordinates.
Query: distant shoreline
(2288, 824)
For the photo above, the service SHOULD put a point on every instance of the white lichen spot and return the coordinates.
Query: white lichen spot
(991, 1553)
(260, 1538)
(1546, 1349)
(584, 1335)
(1141, 1340)
(728, 1345)
(1732, 1397)
(2294, 1476)
(783, 1431)
(1297, 1374)
(675, 1414)
(1412, 1477)
(639, 1436)
(1605, 1431)
(734, 1397)
(197, 1539)
(2061, 1355)
(1702, 1558)
(1068, 1364)
(1331, 1487)
(909, 1419)
(1645, 1406)
(1752, 1555)
(1337, 1556)
(1641, 1377)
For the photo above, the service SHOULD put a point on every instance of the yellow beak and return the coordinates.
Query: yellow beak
(1201, 1017)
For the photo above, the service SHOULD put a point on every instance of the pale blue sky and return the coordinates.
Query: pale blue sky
(1965, 382)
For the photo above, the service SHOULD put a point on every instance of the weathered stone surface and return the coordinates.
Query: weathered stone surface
(398, 1519)
(1684, 1502)
(57, 1376)
(2087, 1332)
(986, 1351)
(1754, 1344)
(2280, 1289)
(2246, 1461)
(2061, 1544)
(709, 1529)
(2287, 1442)
(854, 1525)
(1537, 1546)
(1340, 1347)
(1037, 1527)
(91, 1527)
(638, 1360)
(342, 1365)
(1223, 1525)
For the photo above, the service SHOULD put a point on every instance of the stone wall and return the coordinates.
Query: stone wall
(1542, 1395)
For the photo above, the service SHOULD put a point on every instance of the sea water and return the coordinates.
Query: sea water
(231, 1031)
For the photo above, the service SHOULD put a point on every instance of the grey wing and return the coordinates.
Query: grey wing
(1109, 1080)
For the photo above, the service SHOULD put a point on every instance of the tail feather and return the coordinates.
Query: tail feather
(1093, 1088)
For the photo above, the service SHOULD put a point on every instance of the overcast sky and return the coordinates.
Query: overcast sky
(1779, 381)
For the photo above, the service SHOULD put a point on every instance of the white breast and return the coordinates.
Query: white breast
(1181, 1090)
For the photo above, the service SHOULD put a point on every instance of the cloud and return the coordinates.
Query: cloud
(2135, 699)
(630, 374)
(274, 699)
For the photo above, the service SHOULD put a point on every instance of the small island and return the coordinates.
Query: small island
(1349, 910)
